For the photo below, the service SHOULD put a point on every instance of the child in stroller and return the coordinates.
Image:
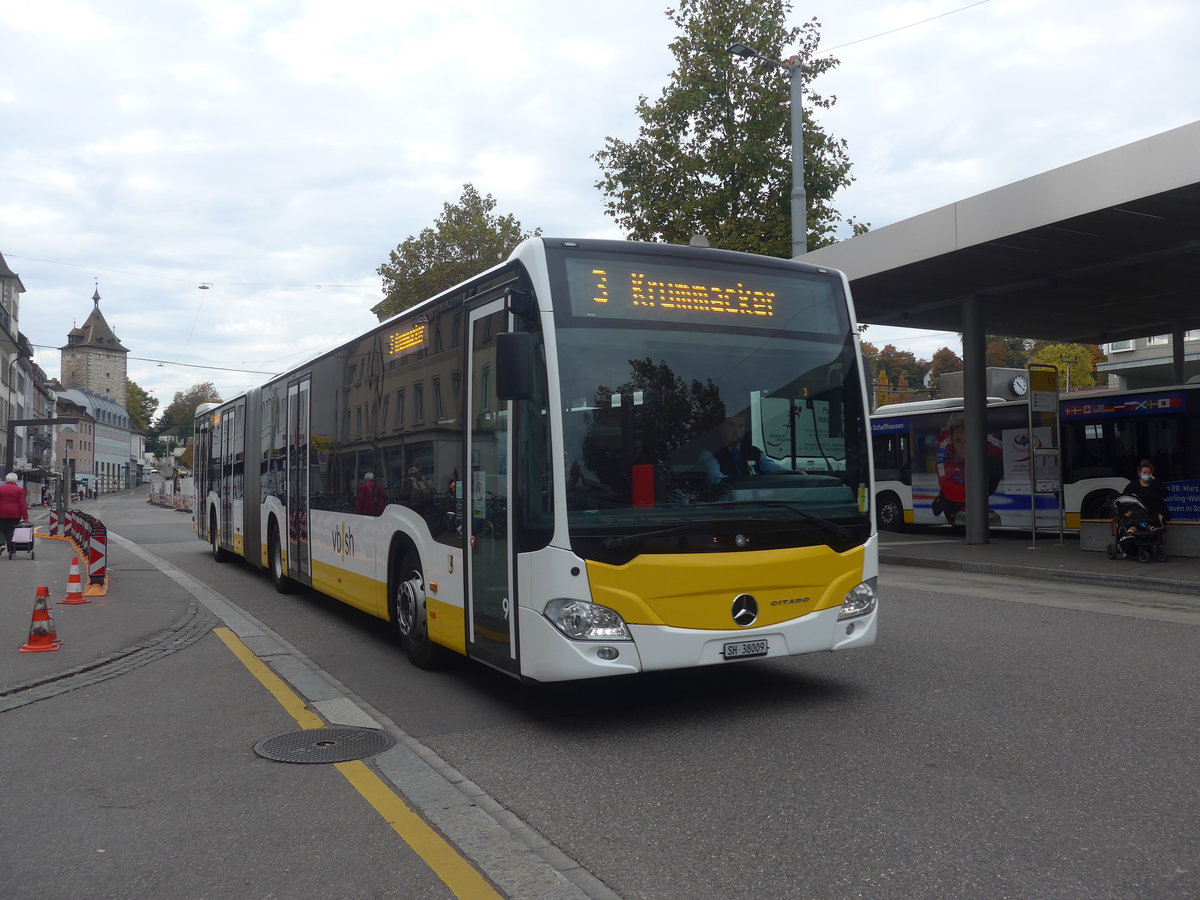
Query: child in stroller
(1136, 532)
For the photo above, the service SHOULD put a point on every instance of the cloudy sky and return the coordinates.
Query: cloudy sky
(279, 149)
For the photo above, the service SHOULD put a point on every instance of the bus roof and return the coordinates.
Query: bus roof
(914, 406)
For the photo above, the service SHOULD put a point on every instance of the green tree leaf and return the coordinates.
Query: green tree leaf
(466, 239)
(140, 405)
(182, 410)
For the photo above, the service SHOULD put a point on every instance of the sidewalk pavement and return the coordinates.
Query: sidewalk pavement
(150, 784)
(1016, 554)
(93, 634)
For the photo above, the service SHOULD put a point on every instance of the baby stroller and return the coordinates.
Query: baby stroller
(22, 540)
(1135, 531)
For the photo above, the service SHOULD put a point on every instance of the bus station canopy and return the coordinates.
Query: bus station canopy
(1104, 249)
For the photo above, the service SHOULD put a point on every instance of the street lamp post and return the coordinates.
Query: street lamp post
(799, 198)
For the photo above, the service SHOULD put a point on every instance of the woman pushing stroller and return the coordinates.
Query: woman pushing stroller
(1151, 491)
(1140, 516)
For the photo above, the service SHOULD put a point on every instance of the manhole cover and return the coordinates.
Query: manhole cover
(324, 745)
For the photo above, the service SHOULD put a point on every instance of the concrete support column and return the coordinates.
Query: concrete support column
(975, 408)
(1177, 374)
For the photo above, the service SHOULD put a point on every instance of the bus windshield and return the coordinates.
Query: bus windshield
(685, 437)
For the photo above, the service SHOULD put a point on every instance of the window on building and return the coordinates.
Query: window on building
(1158, 340)
(439, 407)
(1120, 346)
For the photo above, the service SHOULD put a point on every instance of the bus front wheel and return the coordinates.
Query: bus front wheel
(409, 614)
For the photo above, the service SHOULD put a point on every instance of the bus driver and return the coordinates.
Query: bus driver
(737, 456)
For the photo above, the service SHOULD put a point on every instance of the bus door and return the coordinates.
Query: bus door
(226, 456)
(491, 607)
(298, 558)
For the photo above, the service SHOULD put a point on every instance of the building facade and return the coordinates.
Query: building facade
(75, 446)
(113, 465)
(93, 360)
(1147, 362)
(13, 358)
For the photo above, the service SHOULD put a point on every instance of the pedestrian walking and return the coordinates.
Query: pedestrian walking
(13, 510)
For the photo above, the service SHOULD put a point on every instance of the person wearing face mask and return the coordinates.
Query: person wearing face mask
(1151, 491)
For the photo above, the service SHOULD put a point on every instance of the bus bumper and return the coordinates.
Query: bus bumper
(548, 655)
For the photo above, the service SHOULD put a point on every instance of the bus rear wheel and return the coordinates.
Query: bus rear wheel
(279, 578)
(889, 512)
(219, 553)
(408, 611)
(1097, 505)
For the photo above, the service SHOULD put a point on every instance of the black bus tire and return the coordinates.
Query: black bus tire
(219, 553)
(889, 512)
(408, 612)
(1097, 505)
(279, 578)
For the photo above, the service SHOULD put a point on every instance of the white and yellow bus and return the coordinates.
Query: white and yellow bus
(1103, 435)
(547, 440)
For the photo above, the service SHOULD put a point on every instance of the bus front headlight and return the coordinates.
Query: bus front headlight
(583, 621)
(860, 601)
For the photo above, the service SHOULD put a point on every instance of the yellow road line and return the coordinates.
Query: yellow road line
(279, 689)
(446, 862)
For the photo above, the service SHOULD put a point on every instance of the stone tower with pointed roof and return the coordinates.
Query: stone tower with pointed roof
(93, 359)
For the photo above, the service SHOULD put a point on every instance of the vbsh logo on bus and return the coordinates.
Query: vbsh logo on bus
(343, 540)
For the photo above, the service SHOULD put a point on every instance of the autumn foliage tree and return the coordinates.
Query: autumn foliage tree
(945, 360)
(1076, 363)
(182, 410)
(1007, 352)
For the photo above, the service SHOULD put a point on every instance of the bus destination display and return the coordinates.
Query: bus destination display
(399, 341)
(671, 293)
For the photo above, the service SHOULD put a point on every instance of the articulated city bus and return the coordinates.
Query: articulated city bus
(1103, 435)
(534, 469)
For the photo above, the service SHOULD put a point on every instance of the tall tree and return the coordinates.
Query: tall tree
(1076, 363)
(713, 154)
(140, 405)
(182, 410)
(466, 239)
(1007, 352)
(896, 362)
(945, 360)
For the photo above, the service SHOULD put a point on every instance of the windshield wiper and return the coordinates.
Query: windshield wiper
(831, 527)
(628, 540)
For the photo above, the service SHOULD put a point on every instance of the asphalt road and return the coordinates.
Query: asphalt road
(1003, 739)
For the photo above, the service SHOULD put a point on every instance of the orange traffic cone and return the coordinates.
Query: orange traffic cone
(74, 586)
(42, 634)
